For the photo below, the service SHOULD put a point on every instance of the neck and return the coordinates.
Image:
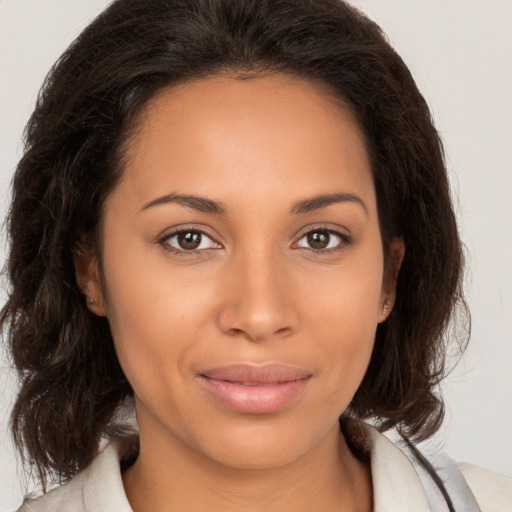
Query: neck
(170, 476)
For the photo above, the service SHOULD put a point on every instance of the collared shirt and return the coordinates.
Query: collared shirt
(396, 485)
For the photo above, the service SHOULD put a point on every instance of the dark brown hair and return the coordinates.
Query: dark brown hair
(71, 381)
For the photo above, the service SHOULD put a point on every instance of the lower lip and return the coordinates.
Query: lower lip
(256, 399)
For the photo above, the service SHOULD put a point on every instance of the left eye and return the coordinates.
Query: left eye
(321, 239)
(190, 240)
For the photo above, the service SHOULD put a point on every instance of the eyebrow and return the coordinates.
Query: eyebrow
(201, 204)
(206, 205)
(321, 201)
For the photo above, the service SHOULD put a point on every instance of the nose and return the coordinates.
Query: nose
(257, 298)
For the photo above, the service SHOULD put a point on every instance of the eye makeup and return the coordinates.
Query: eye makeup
(190, 241)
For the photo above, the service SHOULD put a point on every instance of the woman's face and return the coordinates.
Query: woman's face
(242, 268)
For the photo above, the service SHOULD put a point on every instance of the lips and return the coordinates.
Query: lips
(249, 389)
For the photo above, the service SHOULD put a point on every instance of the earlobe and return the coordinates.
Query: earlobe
(385, 309)
(88, 279)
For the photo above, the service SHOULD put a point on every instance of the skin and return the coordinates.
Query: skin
(255, 291)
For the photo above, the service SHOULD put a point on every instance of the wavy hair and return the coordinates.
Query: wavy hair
(71, 381)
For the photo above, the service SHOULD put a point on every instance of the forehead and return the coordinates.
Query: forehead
(221, 133)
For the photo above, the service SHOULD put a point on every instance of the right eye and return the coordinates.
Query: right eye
(188, 240)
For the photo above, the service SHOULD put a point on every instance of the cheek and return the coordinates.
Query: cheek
(348, 325)
(158, 315)
(345, 316)
(347, 347)
(348, 296)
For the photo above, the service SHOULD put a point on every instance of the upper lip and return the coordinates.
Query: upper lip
(257, 374)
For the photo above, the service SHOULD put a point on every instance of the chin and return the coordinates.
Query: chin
(260, 444)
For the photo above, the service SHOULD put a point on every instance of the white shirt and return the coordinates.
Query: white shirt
(396, 485)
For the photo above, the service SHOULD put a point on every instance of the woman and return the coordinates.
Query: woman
(237, 214)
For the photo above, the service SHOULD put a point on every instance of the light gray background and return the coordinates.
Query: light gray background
(460, 54)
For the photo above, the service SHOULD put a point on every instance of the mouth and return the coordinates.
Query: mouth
(250, 389)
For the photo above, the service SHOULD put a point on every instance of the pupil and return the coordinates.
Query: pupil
(189, 240)
(318, 239)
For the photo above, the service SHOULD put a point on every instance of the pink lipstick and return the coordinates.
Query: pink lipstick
(249, 389)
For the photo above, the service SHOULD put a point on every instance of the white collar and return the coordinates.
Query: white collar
(396, 485)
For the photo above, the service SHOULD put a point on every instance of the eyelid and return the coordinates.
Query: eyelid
(346, 238)
(163, 238)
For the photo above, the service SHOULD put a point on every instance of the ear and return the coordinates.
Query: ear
(393, 264)
(88, 278)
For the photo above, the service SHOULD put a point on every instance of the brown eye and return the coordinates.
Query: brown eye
(189, 240)
(318, 239)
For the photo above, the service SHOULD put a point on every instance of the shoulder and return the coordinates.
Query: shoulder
(492, 492)
(98, 487)
(401, 484)
(66, 498)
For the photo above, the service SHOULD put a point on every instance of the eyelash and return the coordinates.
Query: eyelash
(163, 241)
(345, 240)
